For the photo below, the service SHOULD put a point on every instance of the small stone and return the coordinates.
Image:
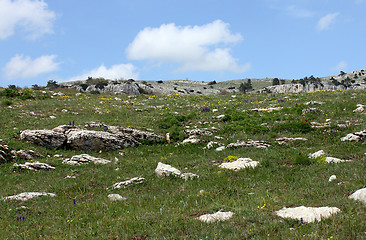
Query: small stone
(317, 154)
(219, 149)
(240, 163)
(116, 197)
(332, 178)
(124, 184)
(216, 217)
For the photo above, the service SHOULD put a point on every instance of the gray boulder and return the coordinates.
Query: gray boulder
(27, 154)
(84, 159)
(87, 140)
(135, 133)
(46, 138)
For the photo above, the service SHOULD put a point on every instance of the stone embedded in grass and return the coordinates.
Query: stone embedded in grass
(284, 140)
(250, 143)
(359, 195)
(219, 149)
(360, 108)
(46, 138)
(314, 103)
(167, 170)
(191, 140)
(116, 197)
(240, 163)
(216, 217)
(270, 109)
(307, 214)
(29, 195)
(332, 178)
(28, 154)
(357, 136)
(84, 159)
(5, 154)
(34, 166)
(321, 153)
(198, 132)
(124, 184)
(317, 154)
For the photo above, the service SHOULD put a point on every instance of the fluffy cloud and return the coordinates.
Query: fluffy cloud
(32, 16)
(24, 67)
(191, 46)
(326, 21)
(118, 71)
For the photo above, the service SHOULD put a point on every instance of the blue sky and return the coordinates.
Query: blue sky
(200, 40)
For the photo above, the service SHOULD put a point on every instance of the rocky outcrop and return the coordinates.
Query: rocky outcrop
(84, 159)
(27, 154)
(357, 136)
(116, 197)
(98, 141)
(29, 195)
(35, 166)
(359, 195)
(284, 140)
(5, 154)
(250, 143)
(45, 138)
(135, 133)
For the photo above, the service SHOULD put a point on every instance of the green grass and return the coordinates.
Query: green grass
(165, 208)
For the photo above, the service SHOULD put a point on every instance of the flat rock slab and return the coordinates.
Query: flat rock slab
(321, 153)
(198, 132)
(116, 197)
(45, 138)
(240, 163)
(307, 214)
(359, 195)
(5, 154)
(250, 143)
(284, 140)
(270, 109)
(28, 154)
(34, 166)
(167, 170)
(29, 195)
(88, 140)
(216, 217)
(84, 159)
(135, 133)
(124, 184)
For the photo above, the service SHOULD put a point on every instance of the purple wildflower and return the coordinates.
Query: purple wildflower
(69, 123)
(106, 128)
(74, 201)
(205, 109)
(73, 122)
(245, 100)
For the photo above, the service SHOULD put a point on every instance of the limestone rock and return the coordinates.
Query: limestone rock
(98, 141)
(332, 178)
(314, 103)
(34, 166)
(5, 154)
(198, 132)
(46, 138)
(284, 140)
(360, 108)
(29, 195)
(216, 217)
(219, 149)
(28, 154)
(317, 154)
(167, 170)
(359, 195)
(250, 143)
(83, 159)
(136, 134)
(64, 128)
(240, 163)
(357, 136)
(116, 197)
(191, 140)
(269, 109)
(307, 214)
(335, 160)
(124, 184)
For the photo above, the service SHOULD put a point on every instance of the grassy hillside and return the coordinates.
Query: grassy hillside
(166, 208)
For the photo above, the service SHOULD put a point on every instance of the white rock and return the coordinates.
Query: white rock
(52, 117)
(34, 165)
(191, 140)
(359, 195)
(287, 139)
(335, 160)
(135, 180)
(167, 170)
(116, 197)
(219, 149)
(239, 164)
(307, 214)
(360, 108)
(332, 178)
(317, 154)
(84, 158)
(29, 195)
(215, 217)
(351, 137)
(270, 109)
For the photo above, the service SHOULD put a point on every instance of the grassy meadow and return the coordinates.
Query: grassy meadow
(166, 208)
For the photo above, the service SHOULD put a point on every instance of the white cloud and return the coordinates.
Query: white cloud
(32, 16)
(118, 71)
(297, 12)
(340, 66)
(194, 47)
(24, 67)
(326, 21)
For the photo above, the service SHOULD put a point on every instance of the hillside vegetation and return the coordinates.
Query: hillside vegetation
(168, 207)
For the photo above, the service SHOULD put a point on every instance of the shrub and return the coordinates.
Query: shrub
(293, 126)
(7, 102)
(302, 160)
(177, 133)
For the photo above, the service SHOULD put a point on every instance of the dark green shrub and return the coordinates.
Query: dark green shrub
(302, 160)
(7, 102)
(177, 133)
(297, 126)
